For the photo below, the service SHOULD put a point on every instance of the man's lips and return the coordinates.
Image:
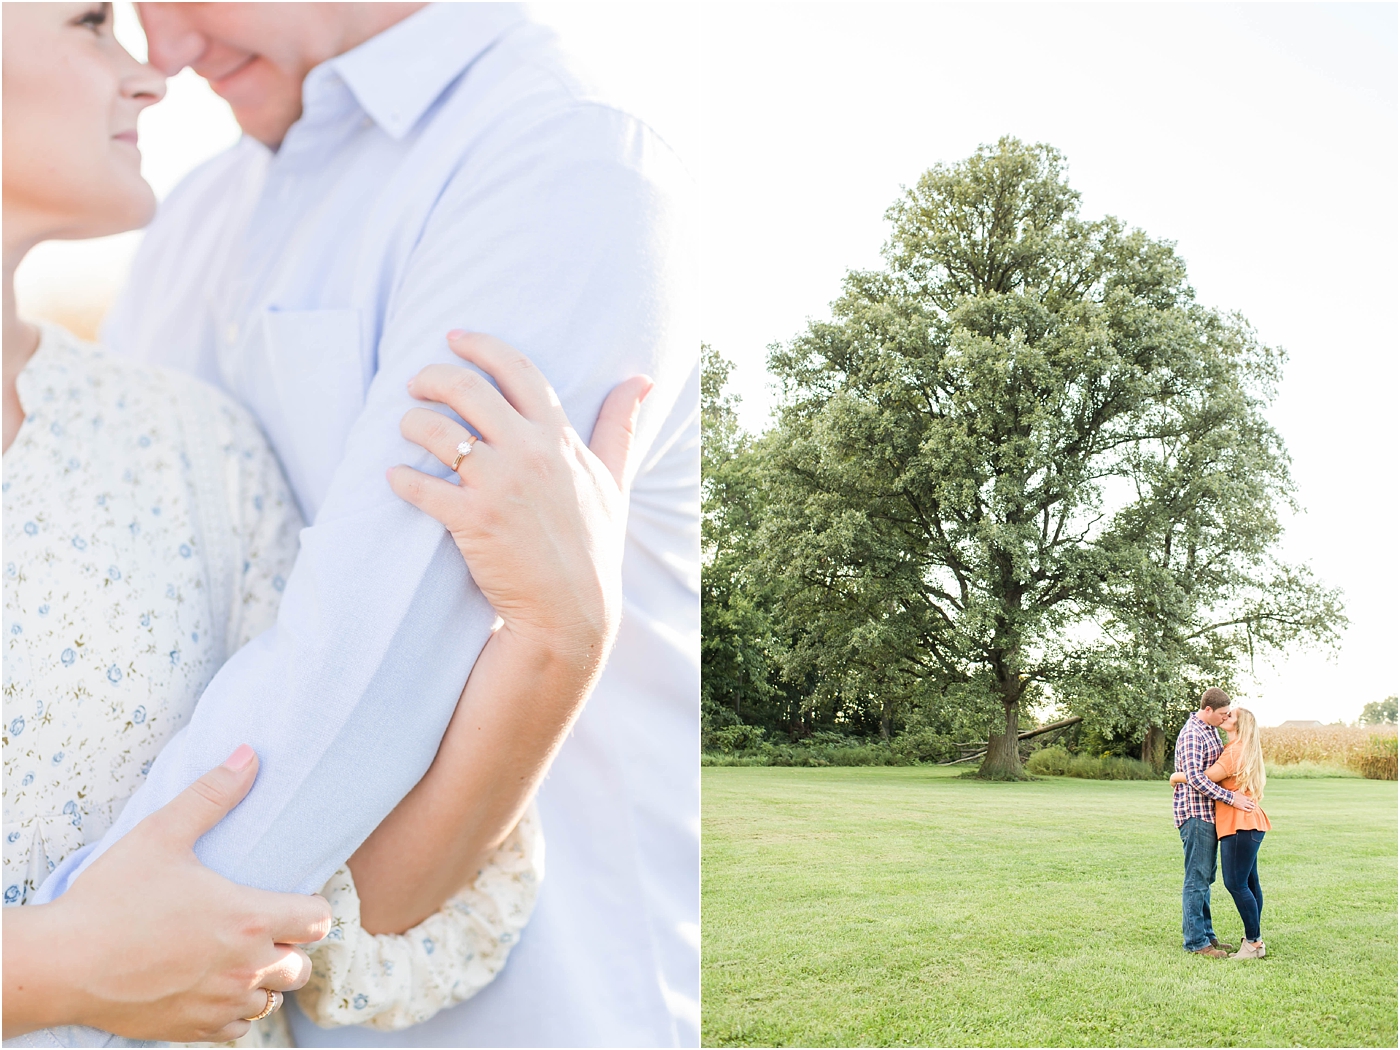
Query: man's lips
(216, 81)
(126, 136)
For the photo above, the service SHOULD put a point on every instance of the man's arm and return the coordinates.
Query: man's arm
(566, 244)
(1194, 766)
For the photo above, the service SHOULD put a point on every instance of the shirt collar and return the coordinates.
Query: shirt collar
(397, 75)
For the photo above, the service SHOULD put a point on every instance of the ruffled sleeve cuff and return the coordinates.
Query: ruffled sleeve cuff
(392, 981)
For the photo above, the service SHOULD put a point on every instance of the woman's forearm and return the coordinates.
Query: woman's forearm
(513, 715)
(35, 994)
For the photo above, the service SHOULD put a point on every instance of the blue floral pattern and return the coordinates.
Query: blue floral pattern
(131, 635)
(90, 694)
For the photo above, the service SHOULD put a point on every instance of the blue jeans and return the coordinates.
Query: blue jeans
(1239, 870)
(1198, 843)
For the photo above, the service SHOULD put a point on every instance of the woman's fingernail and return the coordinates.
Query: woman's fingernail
(456, 333)
(239, 760)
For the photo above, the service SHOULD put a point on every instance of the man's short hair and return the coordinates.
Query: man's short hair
(1215, 698)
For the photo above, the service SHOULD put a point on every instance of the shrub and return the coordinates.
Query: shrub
(1057, 762)
(849, 754)
(1112, 768)
(1049, 762)
(732, 739)
(923, 745)
(747, 746)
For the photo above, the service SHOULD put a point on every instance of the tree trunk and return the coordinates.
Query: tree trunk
(886, 720)
(1003, 761)
(1153, 747)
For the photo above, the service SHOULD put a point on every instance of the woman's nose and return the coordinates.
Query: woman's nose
(145, 85)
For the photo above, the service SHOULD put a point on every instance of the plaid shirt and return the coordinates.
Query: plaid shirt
(1197, 746)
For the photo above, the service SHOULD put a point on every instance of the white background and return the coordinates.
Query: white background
(1262, 138)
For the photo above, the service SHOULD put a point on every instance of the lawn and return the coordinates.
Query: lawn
(907, 906)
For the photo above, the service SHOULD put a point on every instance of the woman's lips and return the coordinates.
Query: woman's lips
(126, 136)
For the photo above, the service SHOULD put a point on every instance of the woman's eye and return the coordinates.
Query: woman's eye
(94, 19)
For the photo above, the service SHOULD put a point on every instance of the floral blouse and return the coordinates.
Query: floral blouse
(148, 531)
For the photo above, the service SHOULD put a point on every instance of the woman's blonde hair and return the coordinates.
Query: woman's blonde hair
(1251, 775)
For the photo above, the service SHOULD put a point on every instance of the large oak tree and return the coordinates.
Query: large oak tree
(1023, 462)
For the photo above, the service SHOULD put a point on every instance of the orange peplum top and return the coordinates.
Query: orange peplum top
(1228, 819)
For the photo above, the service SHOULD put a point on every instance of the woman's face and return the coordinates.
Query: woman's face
(1229, 724)
(71, 98)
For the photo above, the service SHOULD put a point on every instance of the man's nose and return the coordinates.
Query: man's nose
(171, 42)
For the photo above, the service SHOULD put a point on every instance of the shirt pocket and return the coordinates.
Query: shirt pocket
(317, 359)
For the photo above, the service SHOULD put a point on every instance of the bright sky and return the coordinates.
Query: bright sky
(1262, 138)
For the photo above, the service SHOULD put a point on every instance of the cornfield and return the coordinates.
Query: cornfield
(1371, 751)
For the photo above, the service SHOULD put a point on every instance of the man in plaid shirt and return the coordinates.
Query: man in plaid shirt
(1193, 806)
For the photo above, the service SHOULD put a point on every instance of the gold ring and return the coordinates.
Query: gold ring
(274, 1000)
(464, 449)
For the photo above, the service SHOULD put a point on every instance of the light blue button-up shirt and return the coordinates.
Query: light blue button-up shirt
(451, 172)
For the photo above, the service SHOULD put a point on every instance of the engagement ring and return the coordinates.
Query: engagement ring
(464, 449)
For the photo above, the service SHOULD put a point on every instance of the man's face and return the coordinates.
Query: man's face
(255, 56)
(1212, 716)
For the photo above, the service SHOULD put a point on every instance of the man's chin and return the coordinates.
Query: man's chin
(264, 105)
(265, 123)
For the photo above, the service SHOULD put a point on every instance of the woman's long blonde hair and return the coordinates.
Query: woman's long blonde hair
(1251, 775)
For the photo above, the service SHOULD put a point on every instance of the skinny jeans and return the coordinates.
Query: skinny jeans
(1239, 870)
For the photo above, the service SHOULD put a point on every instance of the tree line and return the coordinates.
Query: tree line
(1019, 468)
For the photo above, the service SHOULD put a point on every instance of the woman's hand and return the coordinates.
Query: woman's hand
(150, 944)
(538, 516)
(1178, 778)
(540, 519)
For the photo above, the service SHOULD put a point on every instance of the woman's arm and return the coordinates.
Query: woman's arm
(539, 518)
(1215, 771)
(150, 944)
(514, 713)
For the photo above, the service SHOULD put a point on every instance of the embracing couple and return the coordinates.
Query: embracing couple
(315, 638)
(1216, 799)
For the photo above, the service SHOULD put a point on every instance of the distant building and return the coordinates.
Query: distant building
(1299, 723)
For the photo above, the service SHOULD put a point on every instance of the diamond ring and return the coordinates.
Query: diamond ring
(464, 449)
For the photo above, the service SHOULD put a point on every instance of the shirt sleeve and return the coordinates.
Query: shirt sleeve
(392, 981)
(565, 238)
(266, 524)
(1194, 767)
(359, 978)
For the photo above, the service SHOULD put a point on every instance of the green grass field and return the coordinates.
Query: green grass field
(906, 906)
